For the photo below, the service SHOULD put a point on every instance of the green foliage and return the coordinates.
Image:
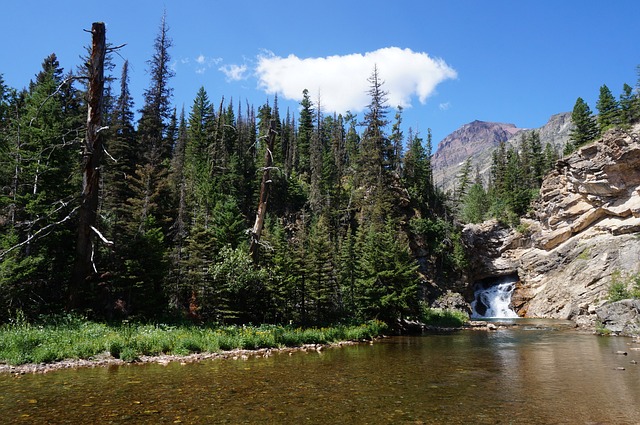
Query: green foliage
(516, 176)
(236, 288)
(475, 205)
(618, 291)
(608, 110)
(629, 106)
(177, 199)
(624, 286)
(442, 318)
(585, 126)
(387, 280)
(58, 338)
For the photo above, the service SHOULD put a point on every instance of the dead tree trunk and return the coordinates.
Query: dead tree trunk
(87, 214)
(256, 232)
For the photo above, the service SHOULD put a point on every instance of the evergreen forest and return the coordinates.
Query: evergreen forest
(228, 212)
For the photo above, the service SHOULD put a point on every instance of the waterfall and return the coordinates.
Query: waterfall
(493, 299)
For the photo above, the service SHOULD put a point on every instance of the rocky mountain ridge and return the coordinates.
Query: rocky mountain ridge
(583, 234)
(479, 139)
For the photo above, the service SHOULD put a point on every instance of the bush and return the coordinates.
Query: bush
(618, 289)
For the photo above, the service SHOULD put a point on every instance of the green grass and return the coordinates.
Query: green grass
(75, 338)
(442, 318)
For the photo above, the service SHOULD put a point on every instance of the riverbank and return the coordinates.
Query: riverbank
(107, 360)
(29, 348)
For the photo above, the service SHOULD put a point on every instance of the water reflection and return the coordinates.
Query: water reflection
(509, 376)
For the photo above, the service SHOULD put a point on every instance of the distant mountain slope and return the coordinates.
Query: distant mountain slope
(479, 139)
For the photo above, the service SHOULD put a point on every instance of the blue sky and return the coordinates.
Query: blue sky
(448, 62)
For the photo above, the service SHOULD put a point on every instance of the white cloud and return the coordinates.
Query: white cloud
(445, 106)
(203, 63)
(234, 72)
(342, 81)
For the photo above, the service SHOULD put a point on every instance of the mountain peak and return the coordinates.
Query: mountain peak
(471, 139)
(478, 139)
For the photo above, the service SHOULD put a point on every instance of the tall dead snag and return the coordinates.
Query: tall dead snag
(256, 232)
(87, 214)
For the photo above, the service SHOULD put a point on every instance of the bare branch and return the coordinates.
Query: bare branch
(108, 154)
(101, 236)
(93, 263)
(113, 49)
(38, 233)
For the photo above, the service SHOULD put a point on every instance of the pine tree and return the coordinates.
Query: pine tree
(608, 110)
(347, 273)
(374, 142)
(121, 158)
(394, 148)
(387, 282)
(316, 164)
(551, 156)
(199, 164)
(463, 183)
(156, 110)
(40, 157)
(629, 108)
(475, 205)
(585, 126)
(305, 134)
(177, 285)
(417, 173)
(322, 281)
(536, 160)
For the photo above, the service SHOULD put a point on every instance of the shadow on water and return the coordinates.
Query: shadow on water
(537, 373)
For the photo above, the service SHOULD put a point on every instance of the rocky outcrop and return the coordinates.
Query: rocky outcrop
(490, 244)
(622, 317)
(584, 230)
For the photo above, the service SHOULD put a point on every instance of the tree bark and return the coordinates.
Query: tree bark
(92, 155)
(256, 232)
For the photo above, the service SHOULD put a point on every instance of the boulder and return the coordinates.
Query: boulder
(622, 317)
(452, 301)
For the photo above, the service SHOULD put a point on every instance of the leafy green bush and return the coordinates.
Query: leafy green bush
(618, 289)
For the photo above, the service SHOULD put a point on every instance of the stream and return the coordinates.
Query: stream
(539, 372)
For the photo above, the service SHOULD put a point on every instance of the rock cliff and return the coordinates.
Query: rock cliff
(585, 230)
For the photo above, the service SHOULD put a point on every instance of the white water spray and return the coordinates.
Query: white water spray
(494, 300)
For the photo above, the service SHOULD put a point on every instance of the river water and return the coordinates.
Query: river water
(535, 373)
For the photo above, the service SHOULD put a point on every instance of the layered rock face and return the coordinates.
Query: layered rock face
(585, 229)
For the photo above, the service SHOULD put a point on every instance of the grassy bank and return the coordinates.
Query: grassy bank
(438, 317)
(74, 338)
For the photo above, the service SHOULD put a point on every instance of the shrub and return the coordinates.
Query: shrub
(618, 289)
